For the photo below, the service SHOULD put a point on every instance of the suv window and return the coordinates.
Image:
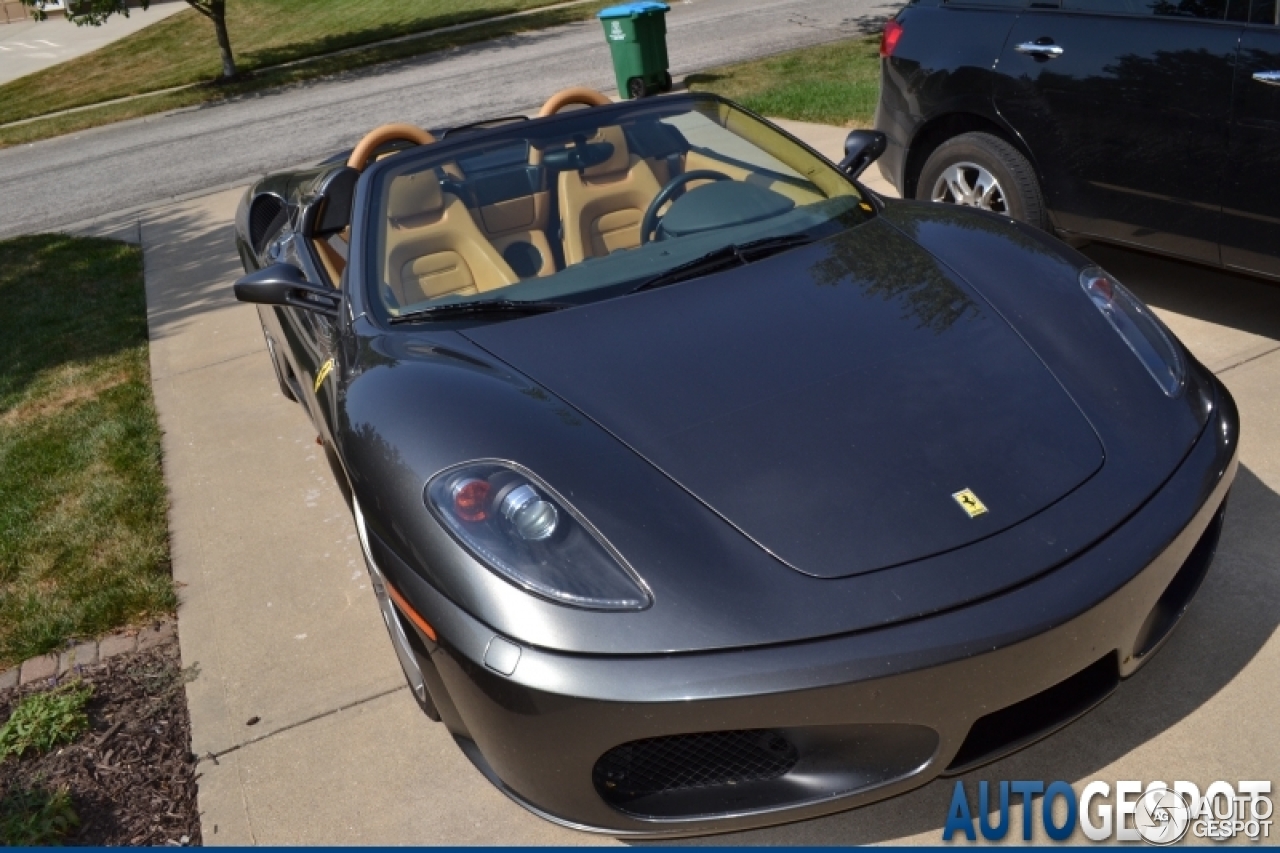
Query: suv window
(1213, 10)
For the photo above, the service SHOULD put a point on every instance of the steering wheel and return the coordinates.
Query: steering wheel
(650, 220)
(380, 136)
(575, 95)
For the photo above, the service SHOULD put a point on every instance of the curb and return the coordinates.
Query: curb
(525, 13)
(56, 664)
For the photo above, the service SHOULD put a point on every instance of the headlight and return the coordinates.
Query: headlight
(529, 535)
(1150, 341)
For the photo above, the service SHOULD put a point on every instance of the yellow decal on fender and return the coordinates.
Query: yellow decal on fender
(969, 503)
(323, 374)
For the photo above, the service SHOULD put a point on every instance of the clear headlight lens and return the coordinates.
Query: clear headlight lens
(1150, 341)
(527, 534)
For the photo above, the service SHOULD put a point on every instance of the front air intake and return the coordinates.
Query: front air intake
(739, 771)
(1002, 732)
(680, 762)
(1177, 596)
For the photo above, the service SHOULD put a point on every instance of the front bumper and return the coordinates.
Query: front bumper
(861, 717)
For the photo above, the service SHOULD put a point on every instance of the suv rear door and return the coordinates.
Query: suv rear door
(1251, 205)
(1125, 105)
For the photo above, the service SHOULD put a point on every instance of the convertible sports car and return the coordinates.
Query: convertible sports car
(702, 488)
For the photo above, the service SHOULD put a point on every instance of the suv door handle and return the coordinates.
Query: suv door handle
(1046, 51)
(1271, 78)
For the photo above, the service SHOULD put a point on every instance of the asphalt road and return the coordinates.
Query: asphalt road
(50, 185)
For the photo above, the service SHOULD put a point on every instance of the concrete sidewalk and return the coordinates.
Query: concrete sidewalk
(276, 608)
(277, 613)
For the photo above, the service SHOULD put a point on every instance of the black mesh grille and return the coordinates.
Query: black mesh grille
(701, 760)
(266, 216)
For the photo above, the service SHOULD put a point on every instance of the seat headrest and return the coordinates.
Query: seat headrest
(619, 161)
(413, 196)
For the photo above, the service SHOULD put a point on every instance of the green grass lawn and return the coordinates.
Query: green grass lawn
(181, 50)
(835, 83)
(83, 538)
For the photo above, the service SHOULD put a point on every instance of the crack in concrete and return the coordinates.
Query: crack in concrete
(300, 723)
(1248, 360)
(198, 368)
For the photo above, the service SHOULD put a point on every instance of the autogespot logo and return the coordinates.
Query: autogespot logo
(1158, 814)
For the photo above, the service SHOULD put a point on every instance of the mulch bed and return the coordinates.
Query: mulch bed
(131, 777)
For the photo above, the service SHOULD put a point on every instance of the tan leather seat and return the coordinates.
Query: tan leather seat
(601, 207)
(521, 220)
(434, 247)
(333, 254)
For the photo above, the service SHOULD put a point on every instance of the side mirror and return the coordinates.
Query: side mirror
(284, 285)
(861, 148)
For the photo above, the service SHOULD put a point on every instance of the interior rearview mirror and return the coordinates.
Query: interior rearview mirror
(284, 285)
(861, 148)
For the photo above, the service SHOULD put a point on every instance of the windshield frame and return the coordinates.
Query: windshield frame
(367, 224)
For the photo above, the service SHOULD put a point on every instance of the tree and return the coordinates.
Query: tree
(94, 13)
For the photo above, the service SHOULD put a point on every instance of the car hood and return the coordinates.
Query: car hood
(830, 403)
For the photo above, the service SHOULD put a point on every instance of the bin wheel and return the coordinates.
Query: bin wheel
(666, 81)
(636, 87)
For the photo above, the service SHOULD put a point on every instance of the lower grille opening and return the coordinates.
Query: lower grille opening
(1177, 596)
(1016, 726)
(744, 770)
(675, 763)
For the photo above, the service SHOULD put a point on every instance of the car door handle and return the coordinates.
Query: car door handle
(1271, 78)
(1047, 51)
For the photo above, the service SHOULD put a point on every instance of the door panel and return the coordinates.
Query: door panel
(1251, 207)
(1128, 123)
(311, 340)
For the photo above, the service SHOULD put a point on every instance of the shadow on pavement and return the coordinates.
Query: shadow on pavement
(191, 263)
(1225, 299)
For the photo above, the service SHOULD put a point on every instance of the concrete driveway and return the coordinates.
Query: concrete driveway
(309, 733)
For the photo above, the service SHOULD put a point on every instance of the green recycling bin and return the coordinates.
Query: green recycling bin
(637, 35)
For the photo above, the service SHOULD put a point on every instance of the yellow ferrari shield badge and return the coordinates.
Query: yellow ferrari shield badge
(969, 503)
(322, 374)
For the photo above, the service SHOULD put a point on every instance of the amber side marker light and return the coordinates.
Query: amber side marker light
(407, 610)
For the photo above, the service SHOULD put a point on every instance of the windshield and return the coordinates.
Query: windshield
(594, 203)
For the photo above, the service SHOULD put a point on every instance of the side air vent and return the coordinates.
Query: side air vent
(267, 216)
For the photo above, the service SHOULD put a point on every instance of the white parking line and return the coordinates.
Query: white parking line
(23, 44)
(49, 43)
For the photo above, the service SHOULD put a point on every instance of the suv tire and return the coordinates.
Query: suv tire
(983, 171)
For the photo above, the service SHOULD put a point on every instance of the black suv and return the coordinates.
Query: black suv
(1152, 123)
